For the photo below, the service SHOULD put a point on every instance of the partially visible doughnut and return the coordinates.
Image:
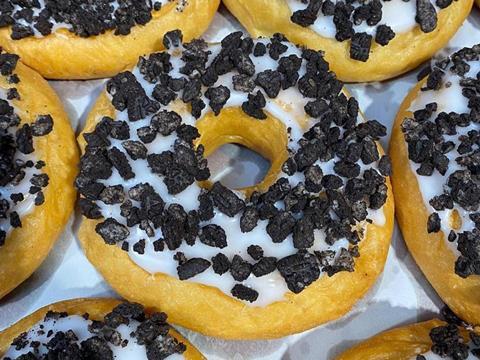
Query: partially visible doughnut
(113, 315)
(434, 117)
(404, 52)
(181, 222)
(429, 340)
(46, 182)
(63, 54)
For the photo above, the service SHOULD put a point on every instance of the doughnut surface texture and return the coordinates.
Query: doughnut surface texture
(97, 309)
(448, 265)
(27, 246)
(65, 55)
(403, 343)
(272, 302)
(403, 53)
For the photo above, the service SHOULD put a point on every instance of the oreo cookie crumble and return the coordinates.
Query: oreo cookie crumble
(444, 148)
(140, 174)
(22, 181)
(84, 18)
(449, 343)
(363, 22)
(126, 328)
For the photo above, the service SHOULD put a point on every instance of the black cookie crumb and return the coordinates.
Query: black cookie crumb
(244, 293)
(192, 267)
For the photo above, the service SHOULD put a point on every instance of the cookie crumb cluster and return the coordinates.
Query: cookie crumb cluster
(334, 203)
(16, 146)
(433, 137)
(348, 14)
(449, 343)
(151, 331)
(84, 18)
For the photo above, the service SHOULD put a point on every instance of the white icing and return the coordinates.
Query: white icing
(288, 107)
(432, 356)
(26, 206)
(397, 14)
(63, 25)
(80, 327)
(448, 99)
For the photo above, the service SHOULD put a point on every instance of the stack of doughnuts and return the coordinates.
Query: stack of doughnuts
(294, 251)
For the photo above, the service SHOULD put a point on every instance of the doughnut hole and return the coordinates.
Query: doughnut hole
(266, 137)
(236, 166)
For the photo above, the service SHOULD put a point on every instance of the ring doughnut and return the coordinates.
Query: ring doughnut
(205, 253)
(429, 340)
(363, 41)
(95, 39)
(121, 331)
(434, 184)
(38, 156)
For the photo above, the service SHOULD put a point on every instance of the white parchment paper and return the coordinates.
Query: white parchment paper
(402, 295)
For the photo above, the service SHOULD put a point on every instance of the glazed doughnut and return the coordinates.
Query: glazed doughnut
(102, 329)
(434, 148)
(38, 156)
(261, 262)
(86, 39)
(429, 340)
(363, 41)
